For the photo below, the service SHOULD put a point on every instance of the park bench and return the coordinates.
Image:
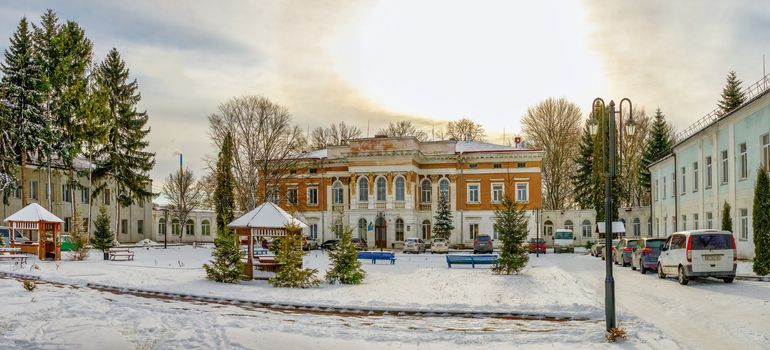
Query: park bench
(20, 258)
(116, 253)
(267, 264)
(374, 256)
(473, 260)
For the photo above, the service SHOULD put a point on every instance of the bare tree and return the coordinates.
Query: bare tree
(403, 128)
(266, 145)
(184, 195)
(632, 192)
(464, 130)
(335, 135)
(553, 125)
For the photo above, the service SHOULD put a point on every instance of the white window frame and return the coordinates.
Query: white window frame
(684, 180)
(33, 189)
(338, 193)
(313, 231)
(664, 187)
(526, 192)
(310, 198)
(473, 230)
(695, 177)
(400, 184)
(709, 220)
(695, 218)
(637, 226)
(684, 222)
(709, 171)
(655, 190)
(586, 229)
(743, 149)
(725, 168)
(764, 141)
(474, 188)
(446, 192)
(384, 182)
(498, 192)
(426, 194)
(363, 191)
(292, 199)
(744, 219)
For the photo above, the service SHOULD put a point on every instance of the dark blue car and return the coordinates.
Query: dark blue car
(646, 254)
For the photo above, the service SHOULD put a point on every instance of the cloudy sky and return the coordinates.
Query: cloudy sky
(371, 62)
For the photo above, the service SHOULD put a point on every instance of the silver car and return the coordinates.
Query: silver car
(414, 245)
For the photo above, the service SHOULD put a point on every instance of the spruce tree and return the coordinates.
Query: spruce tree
(732, 94)
(224, 193)
(346, 268)
(22, 97)
(291, 274)
(657, 146)
(124, 160)
(103, 238)
(443, 225)
(226, 266)
(761, 224)
(583, 180)
(727, 220)
(601, 168)
(511, 226)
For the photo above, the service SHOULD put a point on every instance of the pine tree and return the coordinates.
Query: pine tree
(346, 268)
(727, 220)
(601, 168)
(102, 238)
(291, 274)
(124, 160)
(443, 226)
(761, 224)
(658, 145)
(732, 94)
(22, 97)
(583, 180)
(224, 194)
(511, 226)
(226, 266)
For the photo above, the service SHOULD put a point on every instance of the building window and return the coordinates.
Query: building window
(426, 229)
(709, 220)
(684, 180)
(291, 196)
(708, 172)
(548, 228)
(140, 227)
(272, 195)
(725, 169)
(175, 227)
(744, 161)
(473, 165)
(67, 222)
(338, 228)
(205, 228)
(107, 197)
(522, 192)
(124, 226)
(473, 193)
(497, 192)
(695, 225)
(312, 170)
(673, 184)
(649, 227)
(568, 225)
(66, 194)
(521, 165)
(443, 188)
(497, 165)
(400, 188)
(637, 227)
(33, 190)
(657, 224)
(586, 229)
(744, 215)
(655, 189)
(766, 151)
(474, 230)
(664, 187)
(189, 227)
(684, 222)
(425, 194)
(312, 196)
(381, 189)
(363, 190)
(695, 177)
(337, 193)
(362, 228)
(399, 229)
(313, 231)
(665, 225)
(85, 195)
(293, 172)
(162, 226)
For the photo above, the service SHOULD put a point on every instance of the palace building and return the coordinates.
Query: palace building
(387, 188)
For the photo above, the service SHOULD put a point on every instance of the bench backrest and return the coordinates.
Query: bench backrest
(376, 255)
(467, 259)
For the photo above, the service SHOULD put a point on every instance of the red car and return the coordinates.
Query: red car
(537, 245)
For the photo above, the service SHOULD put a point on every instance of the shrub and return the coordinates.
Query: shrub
(29, 285)
(511, 226)
(103, 237)
(291, 274)
(226, 267)
(346, 269)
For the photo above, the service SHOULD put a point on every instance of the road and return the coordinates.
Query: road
(707, 313)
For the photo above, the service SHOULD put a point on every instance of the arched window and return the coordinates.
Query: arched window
(362, 228)
(425, 191)
(400, 188)
(399, 229)
(205, 228)
(381, 186)
(569, 226)
(190, 227)
(175, 227)
(162, 226)
(548, 228)
(426, 229)
(637, 227)
(337, 193)
(586, 228)
(363, 190)
(443, 188)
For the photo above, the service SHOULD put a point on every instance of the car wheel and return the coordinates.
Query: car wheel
(642, 269)
(683, 280)
(728, 279)
(633, 268)
(661, 274)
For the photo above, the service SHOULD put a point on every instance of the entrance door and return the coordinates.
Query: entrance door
(380, 232)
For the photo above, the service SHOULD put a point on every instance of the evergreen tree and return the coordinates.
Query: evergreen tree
(511, 226)
(224, 194)
(443, 226)
(226, 265)
(761, 224)
(346, 268)
(102, 238)
(291, 274)
(601, 168)
(727, 220)
(658, 145)
(123, 159)
(22, 97)
(583, 180)
(732, 94)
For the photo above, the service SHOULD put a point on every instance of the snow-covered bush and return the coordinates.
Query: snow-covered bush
(226, 266)
(346, 268)
(291, 274)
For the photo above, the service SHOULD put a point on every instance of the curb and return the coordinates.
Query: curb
(753, 278)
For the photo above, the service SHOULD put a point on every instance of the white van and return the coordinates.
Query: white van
(563, 241)
(699, 253)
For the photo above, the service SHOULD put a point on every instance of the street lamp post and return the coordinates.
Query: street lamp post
(609, 282)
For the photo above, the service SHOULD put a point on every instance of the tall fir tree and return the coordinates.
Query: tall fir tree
(584, 162)
(346, 268)
(226, 265)
(123, 160)
(601, 168)
(102, 238)
(727, 219)
(289, 255)
(761, 224)
(732, 94)
(511, 226)
(443, 224)
(22, 97)
(658, 145)
(224, 193)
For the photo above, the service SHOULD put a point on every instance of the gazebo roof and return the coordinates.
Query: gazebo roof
(33, 213)
(267, 215)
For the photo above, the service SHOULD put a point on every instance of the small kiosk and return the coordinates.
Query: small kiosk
(34, 218)
(266, 220)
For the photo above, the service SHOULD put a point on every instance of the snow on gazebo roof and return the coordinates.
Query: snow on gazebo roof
(33, 213)
(267, 215)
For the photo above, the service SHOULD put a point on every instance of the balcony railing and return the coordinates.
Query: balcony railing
(363, 205)
(425, 207)
(380, 205)
(338, 207)
(399, 205)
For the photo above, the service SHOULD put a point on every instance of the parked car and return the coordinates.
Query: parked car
(597, 249)
(624, 251)
(360, 243)
(439, 245)
(482, 244)
(309, 244)
(646, 254)
(563, 241)
(414, 245)
(615, 243)
(699, 253)
(66, 244)
(329, 244)
(17, 236)
(537, 245)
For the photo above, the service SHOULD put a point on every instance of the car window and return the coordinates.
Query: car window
(678, 242)
(654, 243)
(483, 238)
(632, 244)
(712, 241)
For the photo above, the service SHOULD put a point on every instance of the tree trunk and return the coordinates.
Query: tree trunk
(24, 182)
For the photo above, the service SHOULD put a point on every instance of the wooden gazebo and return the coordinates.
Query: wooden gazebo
(48, 227)
(266, 220)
